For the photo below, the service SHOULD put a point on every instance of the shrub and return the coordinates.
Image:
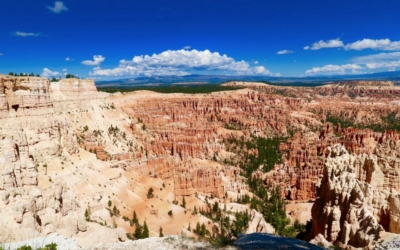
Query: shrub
(150, 193)
(183, 202)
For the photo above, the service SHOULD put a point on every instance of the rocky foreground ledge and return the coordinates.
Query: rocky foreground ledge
(170, 242)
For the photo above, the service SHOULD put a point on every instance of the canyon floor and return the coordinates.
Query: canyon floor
(322, 163)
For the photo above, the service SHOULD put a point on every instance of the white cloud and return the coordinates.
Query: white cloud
(381, 57)
(187, 47)
(285, 51)
(255, 62)
(381, 60)
(1, 54)
(180, 62)
(58, 7)
(389, 65)
(69, 59)
(48, 73)
(334, 43)
(260, 70)
(97, 59)
(378, 44)
(334, 69)
(25, 34)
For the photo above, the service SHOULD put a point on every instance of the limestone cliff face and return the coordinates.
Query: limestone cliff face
(43, 211)
(358, 196)
(30, 129)
(30, 132)
(74, 94)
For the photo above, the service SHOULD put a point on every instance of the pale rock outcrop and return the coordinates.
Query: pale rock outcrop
(358, 196)
(43, 211)
(31, 132)
(304, 156)
(257, 224)
(319, 240)
(394, 208)
(74, 94)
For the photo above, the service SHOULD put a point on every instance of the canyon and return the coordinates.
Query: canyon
(70, 154)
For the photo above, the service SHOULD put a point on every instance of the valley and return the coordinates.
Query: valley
(320, 163)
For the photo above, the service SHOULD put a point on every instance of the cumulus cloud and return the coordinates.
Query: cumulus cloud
(379, 44)
(58, 7)
(25, 34)
(334, 69)
(180, 62)
(69, 59)
(97, 59)
(261, 70)
(187, 47)
(334, 43)
(285, 51)
(48, 73)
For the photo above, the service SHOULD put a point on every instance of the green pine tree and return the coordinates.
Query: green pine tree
(134, 218)
(161, 232)
(145, 230)
(183, 202)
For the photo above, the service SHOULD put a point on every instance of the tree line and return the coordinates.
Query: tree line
(53, 79)
(23, 74)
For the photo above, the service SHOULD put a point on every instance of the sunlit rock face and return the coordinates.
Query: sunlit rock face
(30, 129)
(358, 196)
(66, 148)
(305, 155)
(30, 132)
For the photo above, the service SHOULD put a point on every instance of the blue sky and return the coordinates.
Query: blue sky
(119, 39)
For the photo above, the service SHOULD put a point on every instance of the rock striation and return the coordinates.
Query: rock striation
(374, 89)
(358, 197)
(305, 155)
(257, 224)
(32, 132)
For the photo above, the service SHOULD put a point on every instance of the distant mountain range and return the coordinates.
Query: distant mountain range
(213, 79)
